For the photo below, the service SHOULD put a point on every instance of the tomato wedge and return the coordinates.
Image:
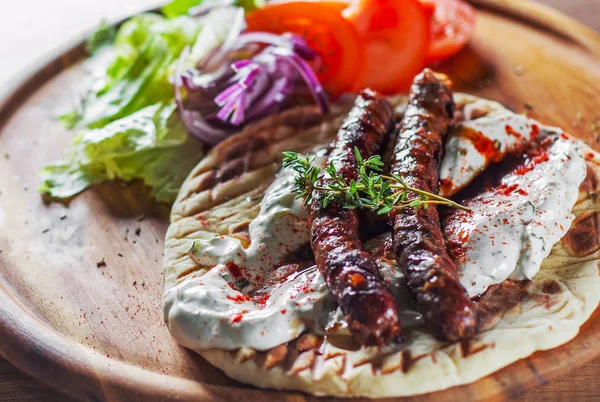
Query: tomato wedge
(429, 6)
(396, 35)
(451, 28)
(335, 39)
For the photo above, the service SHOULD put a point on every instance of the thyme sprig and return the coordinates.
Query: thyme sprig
(372, 190)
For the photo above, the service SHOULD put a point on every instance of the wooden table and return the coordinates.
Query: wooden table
(55, 27)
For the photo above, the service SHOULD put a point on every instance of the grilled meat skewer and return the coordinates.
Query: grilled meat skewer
(419, 245)
(349, 271)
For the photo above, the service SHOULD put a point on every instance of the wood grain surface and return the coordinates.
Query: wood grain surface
(139, 306)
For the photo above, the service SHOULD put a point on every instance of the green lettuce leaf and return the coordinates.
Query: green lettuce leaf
(103, 36)
(128, 112)
(176, 8)
(150, 144)
(135, 70)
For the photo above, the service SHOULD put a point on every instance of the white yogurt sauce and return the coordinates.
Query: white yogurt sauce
(473, 145)
(513, 227)
(211, 311)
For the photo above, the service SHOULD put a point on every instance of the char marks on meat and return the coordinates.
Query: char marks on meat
(419, 245)
(350, 272)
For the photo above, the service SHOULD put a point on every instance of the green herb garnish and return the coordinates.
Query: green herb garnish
(372, 190)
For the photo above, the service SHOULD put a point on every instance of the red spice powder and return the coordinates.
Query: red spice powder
(535, 131)
(511, 131)
(262, 299)
(456, 251)
(522, 169)
(485, 146)
(305, 288)
(234, 269)
(541, 157)
(535, 157)
(504, 189)
(239, 317)
(446, 184)
(522, 192)
(356, 280)
(239, 298)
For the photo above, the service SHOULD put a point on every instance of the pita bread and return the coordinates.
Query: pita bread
(222, 195)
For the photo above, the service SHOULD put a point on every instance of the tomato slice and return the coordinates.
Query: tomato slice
(429, 6)
(335, 39)
(451, 28)
(396, 37)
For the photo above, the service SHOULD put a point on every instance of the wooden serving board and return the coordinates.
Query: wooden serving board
(96, 332)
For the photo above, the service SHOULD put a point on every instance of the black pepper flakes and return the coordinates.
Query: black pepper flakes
(241, 283)
(120, 255)
(141, 219)
(45, 231)
(101, 263)
(138, 231)
(134, 283)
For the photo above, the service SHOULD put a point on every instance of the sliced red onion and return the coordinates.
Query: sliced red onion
(288, 40)
(232, 99)
(193, 120)
(237, 117)
(300, 47)
(278, 58)
(282, 84)
(271, 102)
(227, 109)
(264, 38)
(307, 75)
(253, 72)
(237, 92)
(230, 94)
(238, 65)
